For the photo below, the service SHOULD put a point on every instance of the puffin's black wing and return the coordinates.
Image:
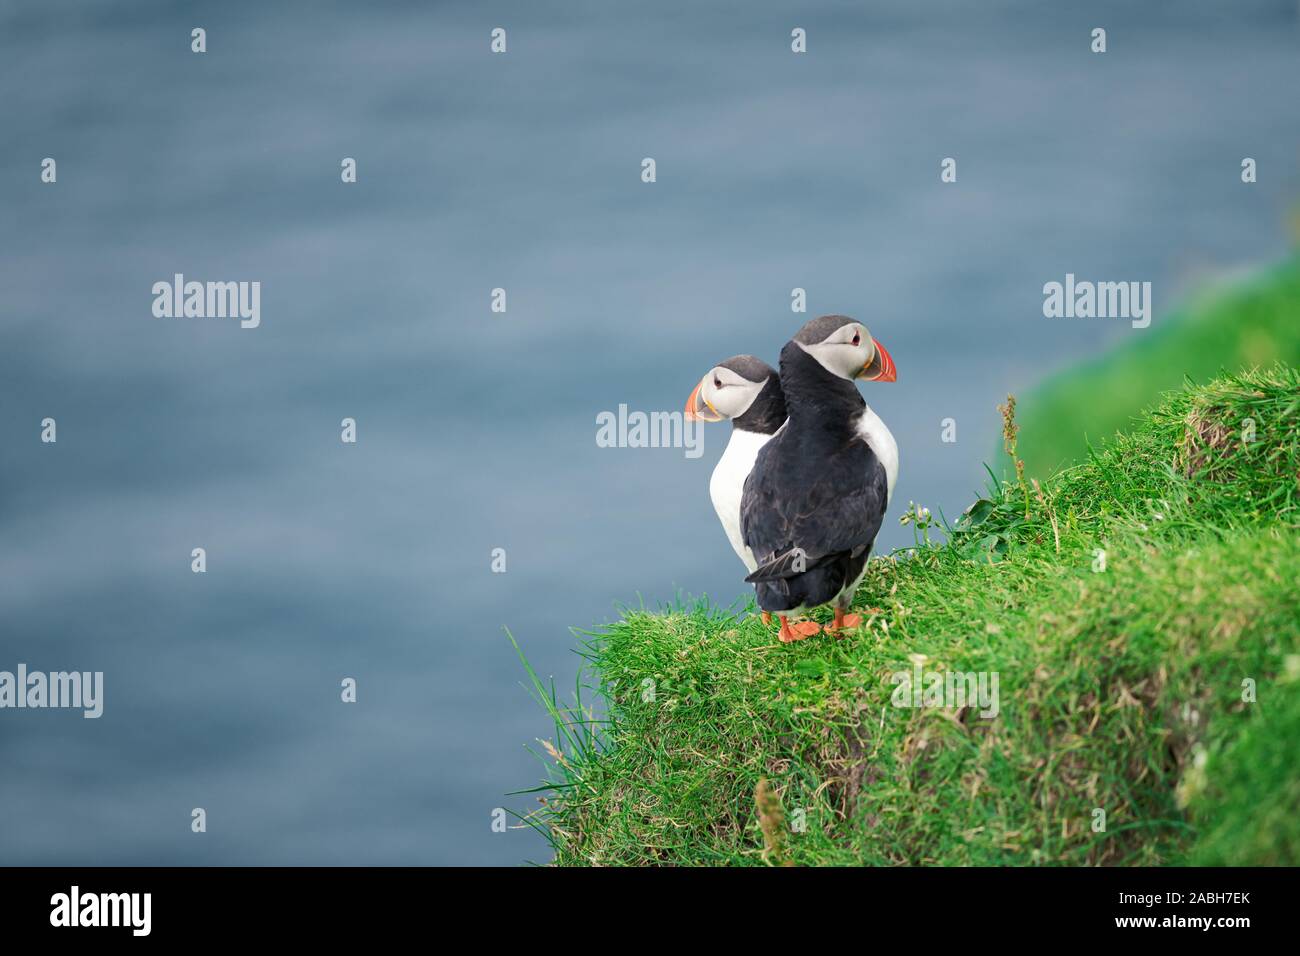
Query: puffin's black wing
(793, 509)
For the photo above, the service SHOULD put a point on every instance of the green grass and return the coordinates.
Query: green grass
(1246, 325)
(1120, 690)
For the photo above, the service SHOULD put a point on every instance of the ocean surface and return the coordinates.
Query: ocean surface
(476, 430)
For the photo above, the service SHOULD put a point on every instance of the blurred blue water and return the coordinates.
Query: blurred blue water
(478, 430)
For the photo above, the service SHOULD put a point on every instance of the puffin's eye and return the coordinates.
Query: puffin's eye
(717, 383)
(857, 339)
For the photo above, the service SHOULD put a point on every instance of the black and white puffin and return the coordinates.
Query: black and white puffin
(746, 390)
(817, 494)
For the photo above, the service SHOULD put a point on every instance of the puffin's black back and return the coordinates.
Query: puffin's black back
(816, 487)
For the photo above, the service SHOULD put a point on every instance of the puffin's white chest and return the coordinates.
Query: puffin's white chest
(881, 442)
(728, 484)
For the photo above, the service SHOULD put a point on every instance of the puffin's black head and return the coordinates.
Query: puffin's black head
(743, 388)
(845, 349)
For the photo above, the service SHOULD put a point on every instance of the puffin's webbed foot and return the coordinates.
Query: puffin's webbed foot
(798, 631)
(846, 621)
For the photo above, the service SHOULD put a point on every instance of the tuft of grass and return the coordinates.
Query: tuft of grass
(1126, 616)
(771, 820)
(1251, 324)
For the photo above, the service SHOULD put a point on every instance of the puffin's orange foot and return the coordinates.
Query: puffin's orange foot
(767, 617)
(798, 631)
(843, 621)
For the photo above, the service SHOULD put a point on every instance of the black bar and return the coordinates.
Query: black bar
(300, 904)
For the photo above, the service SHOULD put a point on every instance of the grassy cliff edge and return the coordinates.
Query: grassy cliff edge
(1148, 707)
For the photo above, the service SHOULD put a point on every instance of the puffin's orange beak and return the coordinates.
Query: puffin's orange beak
(880, 368)
(698, 409)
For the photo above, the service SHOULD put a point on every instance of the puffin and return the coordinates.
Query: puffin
(816, 496)
(746, 390)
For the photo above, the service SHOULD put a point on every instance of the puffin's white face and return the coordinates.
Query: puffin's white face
(722, 394)
(850, 352)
